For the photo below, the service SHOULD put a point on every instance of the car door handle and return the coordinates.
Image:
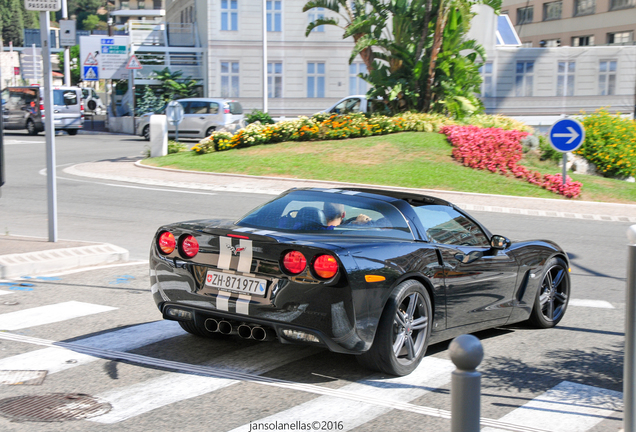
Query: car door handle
(55, 111)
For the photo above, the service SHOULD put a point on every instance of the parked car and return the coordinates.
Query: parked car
(376, 273)
(92, 102)
(23, 108)
(358, 103)
(202, 116)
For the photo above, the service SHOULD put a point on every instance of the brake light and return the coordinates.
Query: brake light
(41, 107)
(294, 262)
(82, 107)
(166, 243)
(189, 246)
(326, 266)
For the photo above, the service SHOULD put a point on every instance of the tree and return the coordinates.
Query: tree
(12, 22)
(74, 53)
(93, 22)
(149, 102)
(176, 87)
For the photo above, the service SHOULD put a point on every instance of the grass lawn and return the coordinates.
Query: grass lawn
(409, 159)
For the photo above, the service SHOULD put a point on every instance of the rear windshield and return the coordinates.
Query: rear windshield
(329, 213)
(235, 108)
(64, 97)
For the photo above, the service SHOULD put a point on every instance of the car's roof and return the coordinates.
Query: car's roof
(385, 195)
(205, 100)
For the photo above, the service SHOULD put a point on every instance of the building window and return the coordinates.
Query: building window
(156, 4)
(125, 5)
(607, 77)
(275, 80)
(524, 78)
(552, 10)
(565, 78)
(620, 37)
(274, 15)
(141, 4)
(487, 85)
(583, 41)
(357, 86)
(525, 15)
(229, 14)
(621, 4)
(315, 80)
(584, 7)
(314, 14)
(550, 43)
(229, 79)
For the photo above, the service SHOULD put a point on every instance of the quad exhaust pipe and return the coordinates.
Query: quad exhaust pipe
(244, 330)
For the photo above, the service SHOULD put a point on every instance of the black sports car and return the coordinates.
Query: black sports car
(376, 273)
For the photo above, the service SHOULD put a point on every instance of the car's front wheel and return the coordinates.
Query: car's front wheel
(403, 332)
(146, 133)
(553, 295)
(72, 131)
(210, 131)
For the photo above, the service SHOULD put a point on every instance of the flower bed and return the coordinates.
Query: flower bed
(499, 151)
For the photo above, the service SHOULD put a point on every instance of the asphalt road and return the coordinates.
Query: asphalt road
(567, 378)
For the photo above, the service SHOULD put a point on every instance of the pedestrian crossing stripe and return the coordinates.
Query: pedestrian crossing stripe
(49, 314)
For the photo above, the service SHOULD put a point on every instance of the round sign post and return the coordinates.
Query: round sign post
(174, 113)
(566, 135)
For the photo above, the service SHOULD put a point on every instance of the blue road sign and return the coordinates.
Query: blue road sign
(566, 135)
(90, 73)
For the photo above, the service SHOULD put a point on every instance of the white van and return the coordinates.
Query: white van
(21, 110)
(202, 116)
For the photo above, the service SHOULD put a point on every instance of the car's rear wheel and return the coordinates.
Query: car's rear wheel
(553, 295)
(146, 132)
(72, 131)
(210, 131)
(31, 129)
(403, 333)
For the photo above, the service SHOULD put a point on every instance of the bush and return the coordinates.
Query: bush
(499, 150)
(215, 142)
(259, 116)
(547, 152)
(176, 147)
(610, 144)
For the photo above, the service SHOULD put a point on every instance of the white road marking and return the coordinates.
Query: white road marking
(43, 172)
(49, 314)
(174, 387)
(432, 373)
(6, 292)
(54, 359)
(591, 303)
(567, 407)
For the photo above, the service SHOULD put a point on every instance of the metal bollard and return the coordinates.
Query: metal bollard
(629, 368)
(466, 352)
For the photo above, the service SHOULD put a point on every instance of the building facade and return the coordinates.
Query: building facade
(548, 23)
(305, 74)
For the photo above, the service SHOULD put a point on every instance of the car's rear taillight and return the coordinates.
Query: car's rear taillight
(294, 262)
(41, 107)
(189, 246)
(325, 266)
(166, 242)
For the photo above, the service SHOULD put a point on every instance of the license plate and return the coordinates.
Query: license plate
(236, 283)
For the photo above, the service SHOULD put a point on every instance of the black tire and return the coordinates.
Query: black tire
(209, 131)
(146, 133)
(91, 104)
(399, 344)
(30, 127)
(72, 131)
(552, 296)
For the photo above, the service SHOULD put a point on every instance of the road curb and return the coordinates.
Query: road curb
(33, 263)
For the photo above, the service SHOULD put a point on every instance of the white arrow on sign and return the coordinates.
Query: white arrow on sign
(572, 135)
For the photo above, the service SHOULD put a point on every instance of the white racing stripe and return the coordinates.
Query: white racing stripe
(174, 387)
(431, 373)
(567, 407)
(55, 359)
(245, 256)
(49, 314)
(225, 253)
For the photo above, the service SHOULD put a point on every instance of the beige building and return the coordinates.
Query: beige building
(547, 23)
(305, 74)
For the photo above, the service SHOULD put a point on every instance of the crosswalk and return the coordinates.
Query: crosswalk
(565, 407)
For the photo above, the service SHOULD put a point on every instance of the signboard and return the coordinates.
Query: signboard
(108, 53)
(133, 63)
(174, 113)
(90, 73)
(31, 61)
(68, 33)
(43, 5)
(566, 135)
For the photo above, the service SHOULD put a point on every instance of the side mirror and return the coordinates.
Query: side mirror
(499, 242)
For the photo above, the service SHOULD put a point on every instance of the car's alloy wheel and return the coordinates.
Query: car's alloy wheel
(209, 131)
(553, 295)
(31, 130)
(403, 333)
(146, 133)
